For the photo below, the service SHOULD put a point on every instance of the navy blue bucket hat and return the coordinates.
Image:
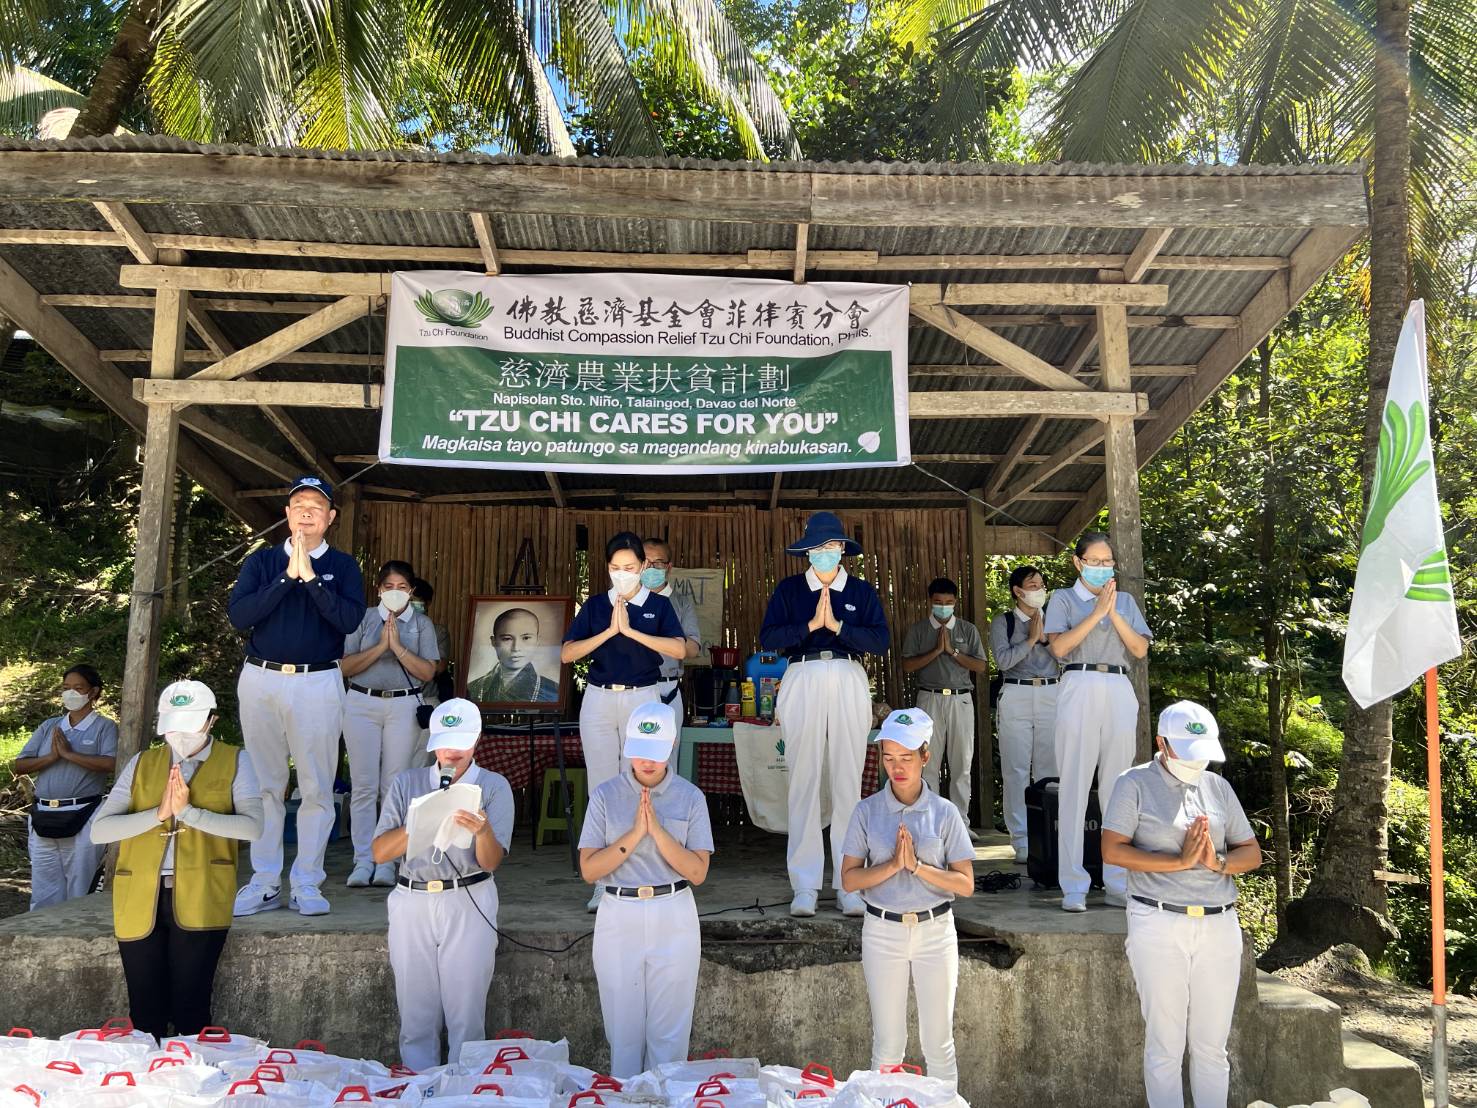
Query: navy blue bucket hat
(821, 528)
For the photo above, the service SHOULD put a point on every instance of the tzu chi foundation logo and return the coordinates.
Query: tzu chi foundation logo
(179, 700)
(450, 721)
(454, 307)
(649, 727)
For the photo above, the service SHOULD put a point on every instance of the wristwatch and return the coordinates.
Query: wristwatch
(1220, 860)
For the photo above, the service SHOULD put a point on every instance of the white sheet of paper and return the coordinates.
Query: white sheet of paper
(424, 816)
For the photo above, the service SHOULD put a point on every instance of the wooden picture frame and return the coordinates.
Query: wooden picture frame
(531, 642)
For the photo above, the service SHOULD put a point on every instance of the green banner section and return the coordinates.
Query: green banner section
(466, 405)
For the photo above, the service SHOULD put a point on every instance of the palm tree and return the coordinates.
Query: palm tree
(369, 73)
(1392, 82)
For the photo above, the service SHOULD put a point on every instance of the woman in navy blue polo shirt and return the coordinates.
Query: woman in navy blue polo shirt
(624, 632)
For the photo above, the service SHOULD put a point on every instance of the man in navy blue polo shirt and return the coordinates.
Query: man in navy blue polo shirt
(823, 621)
(297, 601)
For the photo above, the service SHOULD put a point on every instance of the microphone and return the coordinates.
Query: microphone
(447, 773)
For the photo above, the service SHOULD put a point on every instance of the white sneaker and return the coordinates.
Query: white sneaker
(804, 903)
(595, 898)
(308, 901)
(359, 878)
(1115, 900)
(1074, 902)
(384, 875)
(851, 904)
(253, 898)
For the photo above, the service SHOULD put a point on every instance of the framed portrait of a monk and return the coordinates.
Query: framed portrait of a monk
(512, 652)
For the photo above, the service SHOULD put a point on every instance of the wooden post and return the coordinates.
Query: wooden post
(348, 528)
(155, 516)
(1124, 514)
(984, 729)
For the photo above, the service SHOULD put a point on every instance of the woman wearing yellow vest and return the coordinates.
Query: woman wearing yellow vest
(179, 812)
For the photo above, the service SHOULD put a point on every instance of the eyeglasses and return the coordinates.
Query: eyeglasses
(658, 563)
(1097, 563)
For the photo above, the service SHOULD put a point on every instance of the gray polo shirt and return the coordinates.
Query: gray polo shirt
(497, 805)
(1154, 809)
(687, 616)
(679, 804)
(939, 838)
(943, 672)
(1014, 655)
(1069, 607)
(94, 735)
(417, 635)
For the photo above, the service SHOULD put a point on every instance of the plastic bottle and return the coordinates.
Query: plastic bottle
(750, 707)
(732, 706)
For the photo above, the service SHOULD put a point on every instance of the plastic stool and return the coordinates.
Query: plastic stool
(555, 821)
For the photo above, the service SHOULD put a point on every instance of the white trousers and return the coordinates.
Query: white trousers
(382, 736)
(1027, 729)
(825, 708)
(62, 869)
(603, 716)
(646, 955)
(1096, 728)
(297, 715)
(442, 953)
(929, 953)
(1187, 971)
(953, 735)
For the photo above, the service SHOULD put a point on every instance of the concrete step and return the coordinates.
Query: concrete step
(1387, 1079)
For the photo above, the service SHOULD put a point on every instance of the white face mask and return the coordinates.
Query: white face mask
(74, 701)
(624, 582)
(1034, 598)
(1185, 769)
(185, 743)
(394, 600)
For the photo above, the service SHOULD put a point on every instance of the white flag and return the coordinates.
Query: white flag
(1402, 620)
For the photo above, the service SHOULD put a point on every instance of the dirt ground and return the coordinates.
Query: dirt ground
(1396, 1017)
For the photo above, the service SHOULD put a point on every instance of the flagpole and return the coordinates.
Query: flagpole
(1438, 896)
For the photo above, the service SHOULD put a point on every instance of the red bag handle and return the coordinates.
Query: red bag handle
(20, 1033)
(513, 1033)
(588, 1094)
(905, 1067)
(393, 1092)
(488, 1087)
(605, 1083)
(30, 1092)
(708, 1102)
(92, 1034)
(121, 1024)
(127, 1077)
(716, 1052)
(511, 1054)
(711, 1087)
(352, 1094)
(160, 1063)
(250, 1086)
(65, 1067)
(314, 1044)
(179, 1046)
(818, 1074)
(213, 1035)
(397, 1070)
(903, 1103)
(281, 1057)
(811, 1092)
(268, 1071)
(496, 1067)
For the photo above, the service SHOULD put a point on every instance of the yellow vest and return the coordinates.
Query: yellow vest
(204, 865)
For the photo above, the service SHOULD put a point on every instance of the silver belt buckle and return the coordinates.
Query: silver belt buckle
(826, 655)
(946, 692)
(645, 892)
(289, 668)
(1195, 910)
(910, 919)
(435, 886)
(1100, 668)
(53, 803)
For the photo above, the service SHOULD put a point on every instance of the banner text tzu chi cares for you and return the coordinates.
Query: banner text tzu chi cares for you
(632, 373)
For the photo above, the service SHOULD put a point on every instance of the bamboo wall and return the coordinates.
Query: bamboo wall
(469, 550)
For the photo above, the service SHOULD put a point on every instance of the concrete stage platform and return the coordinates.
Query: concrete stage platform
(1046, 1011)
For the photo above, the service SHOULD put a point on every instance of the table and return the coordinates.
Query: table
(507, 753)
(706, 758)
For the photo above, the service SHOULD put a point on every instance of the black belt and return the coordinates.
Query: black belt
(823, 656)
(949, 692)
(1030, 680)
(1095, 667)
(1186, 909)
(70, 802)
(625, 688)
(910, 918)
(291, 667)
(387, 694)
(443, 886)
(646, 892)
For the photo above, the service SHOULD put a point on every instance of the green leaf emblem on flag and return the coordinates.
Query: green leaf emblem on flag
(1432, 581)
(1402, 442)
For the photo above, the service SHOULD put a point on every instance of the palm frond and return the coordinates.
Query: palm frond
(22, 23)
(588, 52)
(1033, 33)
(242, 52)
(26, 95)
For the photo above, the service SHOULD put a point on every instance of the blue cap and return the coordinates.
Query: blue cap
(308, 481)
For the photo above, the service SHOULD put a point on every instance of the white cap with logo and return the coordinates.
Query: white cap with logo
(650, 732)
(185, 706)
(1191, 732)
(908, 727)
(455, 725)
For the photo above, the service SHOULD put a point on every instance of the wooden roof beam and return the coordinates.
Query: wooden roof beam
(1075, 293)
(980, 338)
(292, 337)
(554, 487)
(287, 394)
(486, 244)
(1150, 243)
(802, 240)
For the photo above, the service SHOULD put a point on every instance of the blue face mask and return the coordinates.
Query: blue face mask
(1097, 576)
(654, 578)
(825, 560)
(943, 612)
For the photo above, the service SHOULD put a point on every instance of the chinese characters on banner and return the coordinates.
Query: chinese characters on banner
(636, 373)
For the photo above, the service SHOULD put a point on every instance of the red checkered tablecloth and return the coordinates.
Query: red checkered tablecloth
(508, 754)
(718, 772)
